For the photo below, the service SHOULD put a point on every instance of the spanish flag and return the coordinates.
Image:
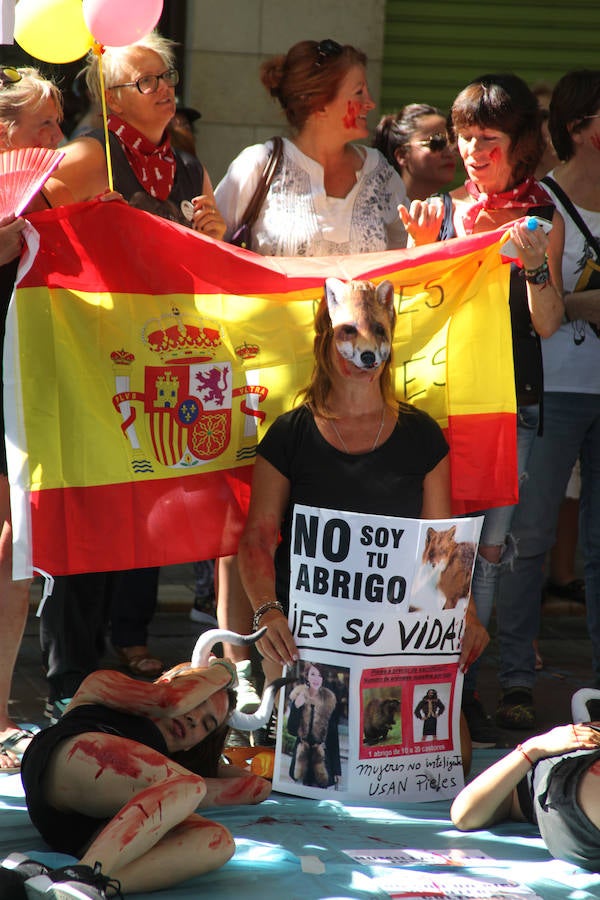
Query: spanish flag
(143, 360)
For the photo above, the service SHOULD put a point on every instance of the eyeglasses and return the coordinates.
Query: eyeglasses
(326, 49)
(9, 75)
(597, 116)
(436, 143)
(148, 84)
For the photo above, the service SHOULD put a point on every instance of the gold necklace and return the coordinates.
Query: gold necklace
(343, 442)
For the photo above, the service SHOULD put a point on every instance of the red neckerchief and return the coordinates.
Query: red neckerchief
(528, 193)
(153, 165)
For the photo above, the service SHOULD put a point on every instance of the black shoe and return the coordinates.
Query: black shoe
(23, 865)
(14, 871)
(515, 710)
(481, 727)
(73, 883)
(12, 886)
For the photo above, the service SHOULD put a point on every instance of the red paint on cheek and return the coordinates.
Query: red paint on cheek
(595, 768)
(495, 154)
(595, 141)
(352, 111)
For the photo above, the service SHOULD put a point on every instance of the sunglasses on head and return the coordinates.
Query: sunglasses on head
(435, 143)
(9, 75)
(327, 49)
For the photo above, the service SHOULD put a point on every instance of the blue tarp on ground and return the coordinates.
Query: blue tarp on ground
(292, 847)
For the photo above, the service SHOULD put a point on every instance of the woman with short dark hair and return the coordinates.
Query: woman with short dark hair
(496, 123)
(571, 383)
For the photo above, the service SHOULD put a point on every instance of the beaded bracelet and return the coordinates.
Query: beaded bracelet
(275, 604)
(521, 750)
(541, 275)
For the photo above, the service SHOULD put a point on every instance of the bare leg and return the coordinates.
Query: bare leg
(14, 605)
(153, 840)
(234, 613)
(233, 607)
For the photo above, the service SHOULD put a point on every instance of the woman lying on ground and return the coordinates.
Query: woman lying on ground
(116, 781)
(551, 780)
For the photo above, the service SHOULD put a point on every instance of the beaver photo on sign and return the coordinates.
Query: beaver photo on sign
(379, 718)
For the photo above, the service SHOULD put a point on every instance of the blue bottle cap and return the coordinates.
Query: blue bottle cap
(531, 223)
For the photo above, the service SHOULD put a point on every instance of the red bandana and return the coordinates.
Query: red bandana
(528, 193)
(153, 165)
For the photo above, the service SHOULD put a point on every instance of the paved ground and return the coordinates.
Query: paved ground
(563, 643)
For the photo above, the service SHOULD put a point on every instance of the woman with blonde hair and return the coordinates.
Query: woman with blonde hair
(30, 115)
(140, 81)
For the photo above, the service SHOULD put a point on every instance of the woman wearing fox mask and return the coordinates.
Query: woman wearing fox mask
(350, 445)
(330, 194)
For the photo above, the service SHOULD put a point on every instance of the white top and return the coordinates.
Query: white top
(572, 355)
(299, 219)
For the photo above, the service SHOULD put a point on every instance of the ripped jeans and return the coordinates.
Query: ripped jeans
(496, 533)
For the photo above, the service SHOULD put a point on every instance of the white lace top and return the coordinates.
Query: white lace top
(299, 219)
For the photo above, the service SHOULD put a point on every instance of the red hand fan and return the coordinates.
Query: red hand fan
(22, 174)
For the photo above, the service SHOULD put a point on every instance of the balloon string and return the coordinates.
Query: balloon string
(100, 50)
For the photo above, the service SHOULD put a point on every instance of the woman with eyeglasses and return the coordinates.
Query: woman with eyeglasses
(140, 82)
(496, 124)
(329, 195)
(414, 141)
(30, 116)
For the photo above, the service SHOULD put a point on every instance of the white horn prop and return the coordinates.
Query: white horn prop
(252, 721)
(206, 642)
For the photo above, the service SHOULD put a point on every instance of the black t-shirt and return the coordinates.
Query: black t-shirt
(70, 832)
(388, 481)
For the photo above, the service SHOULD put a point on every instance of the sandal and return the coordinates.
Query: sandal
(573, 590)
(12, 749)
(515, 709)
(140, 662)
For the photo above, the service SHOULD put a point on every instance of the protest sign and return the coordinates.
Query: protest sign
(377, 610)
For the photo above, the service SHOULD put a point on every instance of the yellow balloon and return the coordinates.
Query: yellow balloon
(52, 30)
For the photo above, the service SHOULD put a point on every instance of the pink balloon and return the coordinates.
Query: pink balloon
(117, 23)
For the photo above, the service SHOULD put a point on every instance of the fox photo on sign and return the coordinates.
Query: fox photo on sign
(377, 609)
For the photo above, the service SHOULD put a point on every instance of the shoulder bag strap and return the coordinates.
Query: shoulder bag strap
(568, 205)
(254, 206)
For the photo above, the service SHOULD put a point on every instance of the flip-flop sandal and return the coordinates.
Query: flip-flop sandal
(140, 662)
(13, 744)
(12, 748)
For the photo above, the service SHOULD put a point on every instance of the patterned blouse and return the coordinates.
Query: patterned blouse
(299, 219)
